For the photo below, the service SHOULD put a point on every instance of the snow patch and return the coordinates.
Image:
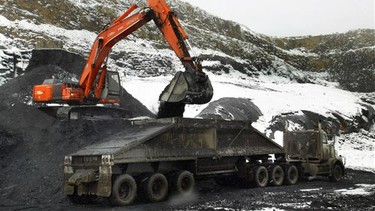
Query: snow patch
(297, 205)
(361, 189)
(311, 189)
(358, 149)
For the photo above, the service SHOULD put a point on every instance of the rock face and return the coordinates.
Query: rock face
(67, 61)
(225, 45)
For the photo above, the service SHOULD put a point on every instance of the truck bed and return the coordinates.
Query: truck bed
(172, 139)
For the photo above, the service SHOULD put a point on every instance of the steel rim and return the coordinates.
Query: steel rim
(125, 190)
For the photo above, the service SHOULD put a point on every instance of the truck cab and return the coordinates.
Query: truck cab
(314, 154)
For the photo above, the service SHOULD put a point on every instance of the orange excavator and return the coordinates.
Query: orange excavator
(99, 86)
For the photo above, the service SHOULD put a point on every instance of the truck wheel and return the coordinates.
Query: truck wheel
(124, 190)
(261, 177)
(156, 187)
(277, 175)
(183, 182)
(337, 173)
(291, 175)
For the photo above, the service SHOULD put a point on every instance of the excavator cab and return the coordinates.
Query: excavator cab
(112, 88)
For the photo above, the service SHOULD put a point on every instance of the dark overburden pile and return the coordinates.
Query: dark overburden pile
(33, 144)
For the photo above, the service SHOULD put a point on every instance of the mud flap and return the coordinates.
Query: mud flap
(105, 181)
(68, 172)
(188, 88)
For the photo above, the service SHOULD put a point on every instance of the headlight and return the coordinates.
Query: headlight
(68, 160)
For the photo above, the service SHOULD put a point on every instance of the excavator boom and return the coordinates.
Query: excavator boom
(118, 30)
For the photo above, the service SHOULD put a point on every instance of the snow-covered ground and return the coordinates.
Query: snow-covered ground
(359, 149)
(361, 189)
(273, 96)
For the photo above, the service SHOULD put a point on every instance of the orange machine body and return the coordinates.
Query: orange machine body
(57, 92)
(92, 80)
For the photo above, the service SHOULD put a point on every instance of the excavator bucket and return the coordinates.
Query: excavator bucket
(188, 88)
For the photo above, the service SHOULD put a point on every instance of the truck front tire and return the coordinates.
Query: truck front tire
(337, 173)
(124, 190)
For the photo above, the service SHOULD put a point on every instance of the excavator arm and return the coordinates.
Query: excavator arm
(193, 85)
(167, 22)
(189, 87)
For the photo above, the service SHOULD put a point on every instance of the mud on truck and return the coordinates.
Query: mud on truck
(155, 157)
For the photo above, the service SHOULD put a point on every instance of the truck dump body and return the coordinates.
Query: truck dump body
(150, 158)
(182, 139)
(162, 154)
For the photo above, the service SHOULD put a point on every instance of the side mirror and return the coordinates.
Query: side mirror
(333, 141)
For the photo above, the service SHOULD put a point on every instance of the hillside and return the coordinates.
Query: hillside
(274, 83)
(348, 57)
(224, 45)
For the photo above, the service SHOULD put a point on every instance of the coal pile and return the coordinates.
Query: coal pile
(167, 110)
(231, 109)
(33, 144)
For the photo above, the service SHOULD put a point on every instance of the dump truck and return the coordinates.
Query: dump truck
(154, 157)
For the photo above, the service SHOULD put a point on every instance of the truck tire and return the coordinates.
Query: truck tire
(183, 182)
(337, 173)
(277, 175)
(156, 187)
(261, 176)
(124, 190)
(291, 175)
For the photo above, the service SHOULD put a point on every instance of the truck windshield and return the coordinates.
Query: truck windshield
(324, 138)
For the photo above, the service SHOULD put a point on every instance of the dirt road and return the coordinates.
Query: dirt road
(355, 192)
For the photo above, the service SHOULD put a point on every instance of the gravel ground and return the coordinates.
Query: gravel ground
(355, 192)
